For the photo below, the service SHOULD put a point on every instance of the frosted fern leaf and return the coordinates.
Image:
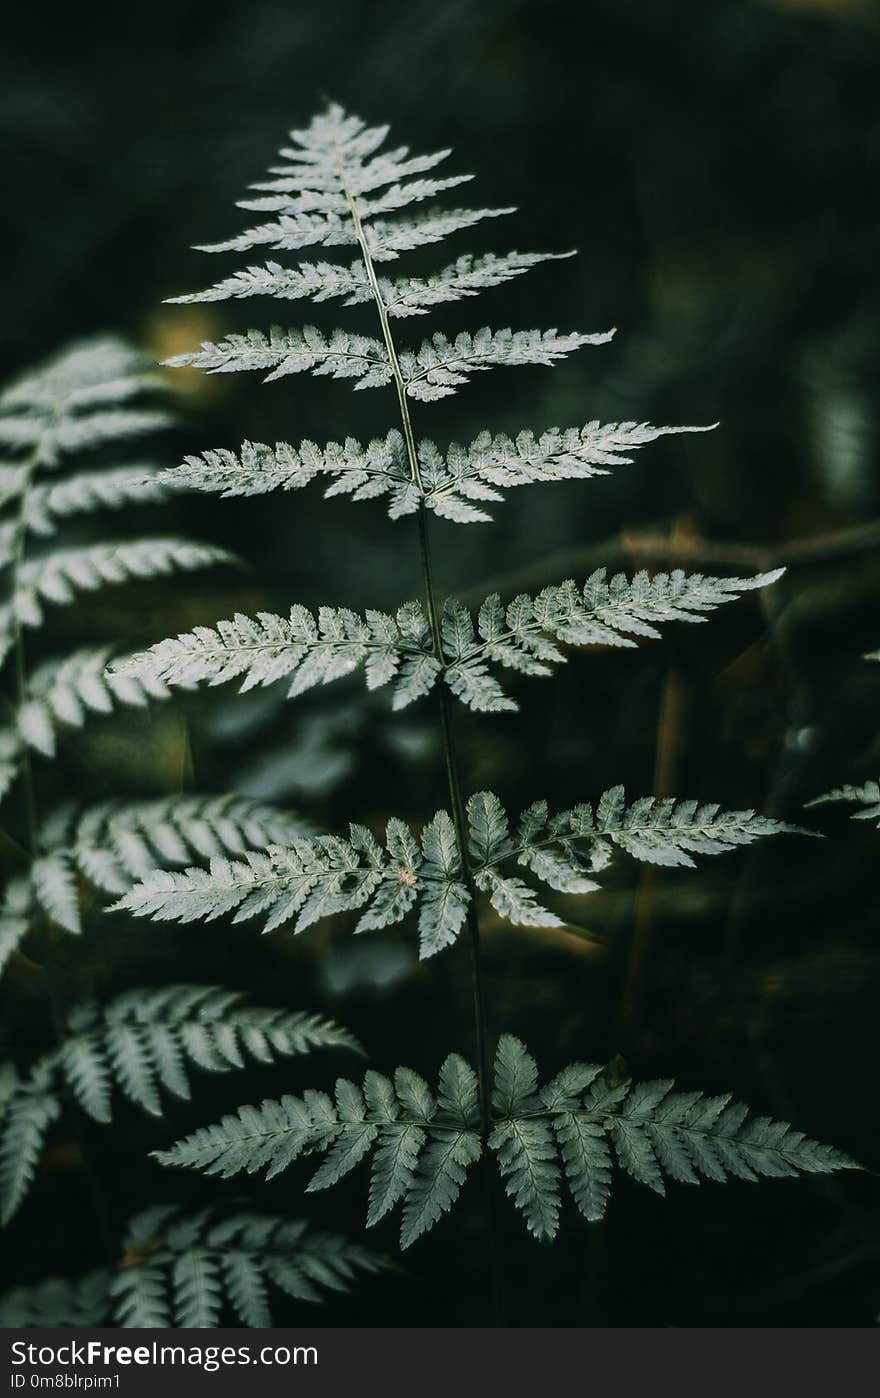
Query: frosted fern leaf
(440, 365)
(432, 371)
(143, 1042)
(329, 193)
(866, 796)
(397, 650)
(312, 879)
(421, 1145)
(459, 483)
(188, 1270)
(347, 468)
(574, 1129)
(341, 355)
(15, 919)
(316, 281)
(148, 1040)
(408, 296)
(310, 650)
(112, 844)
(328, 875)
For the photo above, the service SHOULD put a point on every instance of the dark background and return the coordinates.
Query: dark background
(716, 166)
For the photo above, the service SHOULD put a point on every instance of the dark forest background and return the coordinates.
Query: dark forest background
(716, 166)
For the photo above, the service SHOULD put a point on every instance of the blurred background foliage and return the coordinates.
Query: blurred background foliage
(716, 167)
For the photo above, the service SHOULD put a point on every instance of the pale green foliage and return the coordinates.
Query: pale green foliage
(58, 578)
(82, 398)
(433, 370)
(326, 197)
(81, 1304)
(455, 485)
(189, 1270)
(88, 491)
(867, 796)
(142, 1042)
(110, 844)
(421, 1146)
(315, 878)
(574, 1128)
(15, 911)
(62, 693)
(192, 1271)
(327, 875)
(87, 399)
(310, 650)
(28, 1107)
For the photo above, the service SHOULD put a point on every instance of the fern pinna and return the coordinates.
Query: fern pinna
(64, 428)
(337, 186)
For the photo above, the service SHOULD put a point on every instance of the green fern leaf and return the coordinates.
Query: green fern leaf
(422, 1146)
(317, 650)
(28, 1107)
(867, 796)
(57, 1302)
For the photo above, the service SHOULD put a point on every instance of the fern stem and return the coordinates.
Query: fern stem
(481, 1030)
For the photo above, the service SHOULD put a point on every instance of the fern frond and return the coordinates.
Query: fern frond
(58, 578)
(321, 877)
(15, 920)
(313, 650)
(112, 844)
(564, 851)
(116, 841)
(342, 356)
(387, 240)
(62, 693)
(398, 650)
(88, 491)
(600, 613)
(146, 1040)
(466, 277)
(28, 1107)
(80, 399)
(423, 1146)
(290, 233)
(867, 796)
(538, 1135)
(58, 1302)
(440, 365)
(350, 468)
(458, 484)
(314, 281)
(186, 1271)
(432, 371)
(143, 1042)
(398, 196)
(408, 296)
